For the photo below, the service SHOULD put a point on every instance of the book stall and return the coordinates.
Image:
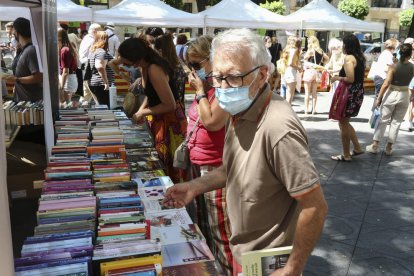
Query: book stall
(101, 212)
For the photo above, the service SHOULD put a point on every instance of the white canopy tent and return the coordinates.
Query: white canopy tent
(66, 11)
(11, 13)
(69, 11)
(244, 14)
(148, 13)
(321, 15)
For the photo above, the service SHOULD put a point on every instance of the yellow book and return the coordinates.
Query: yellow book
(264, 262)
(127, 263)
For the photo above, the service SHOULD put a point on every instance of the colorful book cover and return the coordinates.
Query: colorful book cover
(185, 253)
(208, 268)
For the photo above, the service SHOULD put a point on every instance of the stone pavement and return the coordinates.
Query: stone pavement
(370, 225)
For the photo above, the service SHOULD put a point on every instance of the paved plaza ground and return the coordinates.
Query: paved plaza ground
(370, 225)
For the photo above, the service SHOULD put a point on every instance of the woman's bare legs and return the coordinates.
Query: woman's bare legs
(290, 91)
(308, 86)
(348, 135)
(314, 96)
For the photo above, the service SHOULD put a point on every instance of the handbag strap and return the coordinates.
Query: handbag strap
(196, 124)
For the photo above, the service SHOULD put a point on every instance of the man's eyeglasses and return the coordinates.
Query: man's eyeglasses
(196, 65)
(233, 81)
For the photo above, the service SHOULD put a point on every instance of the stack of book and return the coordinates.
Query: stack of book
(183, 247)
(63, 239)
(72, 128)
(23, 113)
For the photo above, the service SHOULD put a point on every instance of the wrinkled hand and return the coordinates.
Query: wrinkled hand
(283, 272)
(179, 195)
(195, 81)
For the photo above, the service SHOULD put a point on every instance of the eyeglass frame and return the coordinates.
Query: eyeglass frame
(197, 65)
(242, 76)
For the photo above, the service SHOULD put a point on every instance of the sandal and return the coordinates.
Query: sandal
(355, 153)
(340, 157)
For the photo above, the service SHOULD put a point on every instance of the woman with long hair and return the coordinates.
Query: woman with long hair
(164, 44)
(393, 100)
(68, 63)
(161, 105)
(102, 74)
(291, 56)
(316, 59)
(336, 61)
(352, 73)
(206, 149)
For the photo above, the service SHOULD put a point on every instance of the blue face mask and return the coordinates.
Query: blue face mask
(201, 74)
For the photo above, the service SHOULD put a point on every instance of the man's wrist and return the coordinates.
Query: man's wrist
(17, 80)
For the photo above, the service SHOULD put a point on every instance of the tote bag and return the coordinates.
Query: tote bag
(339, 101)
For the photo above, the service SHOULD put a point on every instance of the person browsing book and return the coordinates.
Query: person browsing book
(28, 80)
(273, 192)
(161, 106)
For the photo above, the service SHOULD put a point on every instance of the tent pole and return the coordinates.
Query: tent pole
(205, 25)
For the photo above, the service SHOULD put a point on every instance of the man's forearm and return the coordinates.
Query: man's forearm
(211, 181)
(308, 230)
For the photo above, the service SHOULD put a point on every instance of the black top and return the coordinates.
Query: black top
(403, 74)
(319, 58)
(275, 52)
(358, 74)
(152, 95)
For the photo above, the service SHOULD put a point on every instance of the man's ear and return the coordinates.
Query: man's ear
(263, 71)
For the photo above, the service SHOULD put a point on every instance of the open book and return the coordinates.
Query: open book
(264, 262)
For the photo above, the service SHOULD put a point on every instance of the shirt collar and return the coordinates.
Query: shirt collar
(256, 110)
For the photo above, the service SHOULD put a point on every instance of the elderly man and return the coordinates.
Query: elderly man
(273, 193)
(84, 47)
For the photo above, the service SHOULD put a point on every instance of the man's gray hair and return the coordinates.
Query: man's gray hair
(93, 27)
(235, 40)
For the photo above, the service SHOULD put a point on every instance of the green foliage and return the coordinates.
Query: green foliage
(178, 4)
(274, 6)
(406, 17)
(355, 8)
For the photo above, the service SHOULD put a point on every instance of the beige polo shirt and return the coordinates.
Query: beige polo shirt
(267, 161)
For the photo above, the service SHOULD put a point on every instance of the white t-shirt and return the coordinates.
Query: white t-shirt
(384, 61)
(113, 42)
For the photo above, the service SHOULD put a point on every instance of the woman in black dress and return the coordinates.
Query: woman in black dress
(352, 73)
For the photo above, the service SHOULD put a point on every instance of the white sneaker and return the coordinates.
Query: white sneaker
(371, 149)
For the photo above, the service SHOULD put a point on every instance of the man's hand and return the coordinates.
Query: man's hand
(282, 272)
(179, 195)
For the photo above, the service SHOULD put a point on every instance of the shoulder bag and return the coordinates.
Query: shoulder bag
(181, 154)
(339, 102)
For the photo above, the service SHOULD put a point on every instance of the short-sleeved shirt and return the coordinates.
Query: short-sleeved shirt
(67, 60)
(267, 162)
(384, 61)
(96, 80)
(27, 65)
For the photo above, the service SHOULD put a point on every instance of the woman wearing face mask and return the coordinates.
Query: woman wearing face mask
(206, 148)
(161, 105)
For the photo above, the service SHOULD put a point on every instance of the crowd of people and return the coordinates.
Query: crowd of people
(244, 139)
